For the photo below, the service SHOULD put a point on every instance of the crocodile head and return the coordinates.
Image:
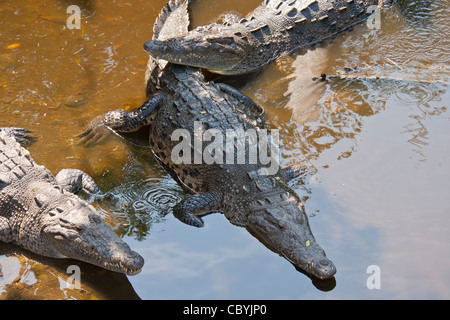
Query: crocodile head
(72, 228)
(279, 220)
(219, 52)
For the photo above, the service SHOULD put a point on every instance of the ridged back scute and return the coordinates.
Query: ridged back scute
(173, 21)
(15, 161)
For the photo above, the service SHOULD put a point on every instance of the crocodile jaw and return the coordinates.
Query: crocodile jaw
(286, 231)
(74, 230)
(217, 54)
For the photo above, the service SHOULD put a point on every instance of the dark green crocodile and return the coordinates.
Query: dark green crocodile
(274, 28)
(249, 197)
(41, 213)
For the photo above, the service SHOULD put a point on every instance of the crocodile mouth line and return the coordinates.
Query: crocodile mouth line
(113, 266)
(93, 257)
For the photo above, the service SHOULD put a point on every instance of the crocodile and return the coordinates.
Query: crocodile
(41, 213)
(247, 194)
(276, 27)
(392, 72)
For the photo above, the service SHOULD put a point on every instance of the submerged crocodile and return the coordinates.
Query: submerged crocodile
(392, 72)
(264, 204)
(41, 213)
(274, 28)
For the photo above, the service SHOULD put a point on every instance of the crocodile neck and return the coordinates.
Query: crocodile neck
(26, 213)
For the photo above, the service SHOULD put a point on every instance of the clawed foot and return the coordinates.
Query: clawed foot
(95, 132)
(191, 220)
(20, 134)
(183, 211)
(73, 180)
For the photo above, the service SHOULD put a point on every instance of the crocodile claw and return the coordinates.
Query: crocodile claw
(95, 132)
(192, 220)
(20, 134)
(190, 209)
(186, 215)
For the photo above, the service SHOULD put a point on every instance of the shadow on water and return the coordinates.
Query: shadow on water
(138, 194)
(27, 276)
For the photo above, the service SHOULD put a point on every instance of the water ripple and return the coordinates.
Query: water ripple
(420, 93)
(142, 204)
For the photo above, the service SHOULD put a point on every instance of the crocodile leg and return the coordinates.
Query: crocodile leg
(73, 180)
(123, 121)
(120, 121)
(189, 209)
(253, 107)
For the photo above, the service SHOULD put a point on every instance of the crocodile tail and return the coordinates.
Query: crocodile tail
(173, 21)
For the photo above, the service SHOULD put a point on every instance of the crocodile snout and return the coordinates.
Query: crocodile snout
(155, 47)
(324, 269)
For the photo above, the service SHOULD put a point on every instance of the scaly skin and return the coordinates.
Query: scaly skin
(263, 204)
(274, 28)
(40, 212)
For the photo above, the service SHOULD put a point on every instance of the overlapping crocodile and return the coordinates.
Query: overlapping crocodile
(264, 204)
(41, 213)
(274, 28)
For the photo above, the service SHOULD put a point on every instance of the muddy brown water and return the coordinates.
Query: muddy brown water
(379, 196)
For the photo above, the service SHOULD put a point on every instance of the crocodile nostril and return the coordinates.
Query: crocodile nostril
(95, 218)
(324, 262)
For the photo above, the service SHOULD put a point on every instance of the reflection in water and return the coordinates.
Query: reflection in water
(27, 276)
(303, 92)
(417, 128)
(421, 96)
(319, 118)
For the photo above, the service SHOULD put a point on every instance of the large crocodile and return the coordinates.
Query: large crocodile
(41, 213)
(264, 204)
(274, 28)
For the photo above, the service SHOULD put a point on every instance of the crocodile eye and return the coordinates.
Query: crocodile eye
(64, 221)
(277, 223)
(224, 40)
(95, 218)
